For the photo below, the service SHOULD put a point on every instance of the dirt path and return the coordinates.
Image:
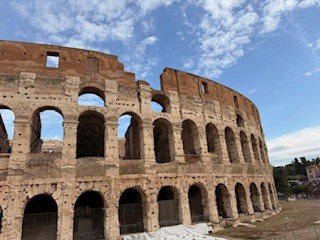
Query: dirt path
(296, 221)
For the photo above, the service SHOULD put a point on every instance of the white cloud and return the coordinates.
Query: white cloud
(309, 74)
(89, 99)
(221, 31)
(227, 27)
(8, 118)
(317, 45)
(252, 91)
(140, 63)
(305, 142)
(88, 24)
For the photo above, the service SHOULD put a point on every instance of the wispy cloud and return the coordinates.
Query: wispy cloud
(91, 24)
(308, 74)
(252, 91)
(304, 142)
(228, 27)
(89, 99)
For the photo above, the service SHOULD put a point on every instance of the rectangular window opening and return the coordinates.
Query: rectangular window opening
(235, 99)
(52, 60)
(204, 87)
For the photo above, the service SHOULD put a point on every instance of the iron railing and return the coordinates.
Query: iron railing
(40, 226)
(168, 213)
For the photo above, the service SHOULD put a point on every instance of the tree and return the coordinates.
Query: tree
(281, 180)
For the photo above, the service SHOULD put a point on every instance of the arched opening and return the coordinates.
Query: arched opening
(245, 147)
(196, 201)
(239, 120)
(6, 129)
(190, 137)
(265, 197)
(168, 207)
(231, 145)
(272, 196)
(255, 198)
(163, 142)
(129, 135)
(223, 201)
(131, 212)
(241, 199)
(213, 140)
(160, 103)
(255, 148)
(88, 216)
(47, 131)
(40, 218)
(263, 158)
(90, 135)
(91, 96)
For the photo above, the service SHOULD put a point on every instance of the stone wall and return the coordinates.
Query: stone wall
(208, 137)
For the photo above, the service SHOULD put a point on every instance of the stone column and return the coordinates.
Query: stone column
(111, 221)
(20, 144)
(65, 221)
(152, 212)
(212, 207)
(184, 206)
(111, 143)
(249, 204)
(178, 146)
(261, 203)
(239, 149)
(224, 150)
(203, 146)
(69, 148)
(234, 209)
(147, 143)
(12, 227)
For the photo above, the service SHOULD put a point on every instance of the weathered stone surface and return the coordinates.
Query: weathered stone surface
(207, 141)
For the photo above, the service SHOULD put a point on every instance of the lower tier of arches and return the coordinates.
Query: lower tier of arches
(107, 209)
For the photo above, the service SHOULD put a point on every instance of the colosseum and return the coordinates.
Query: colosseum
(201, 158)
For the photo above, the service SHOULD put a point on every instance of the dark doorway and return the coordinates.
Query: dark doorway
(88, 217)
(168, 207)
(40, 219)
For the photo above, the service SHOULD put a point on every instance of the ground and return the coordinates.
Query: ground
(295, 221)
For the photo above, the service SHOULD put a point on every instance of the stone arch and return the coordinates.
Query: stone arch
(223, 201)
(213, 140)
(37, 141)
(91, 135)
(161, 100)
(190, 137)
(89, 216)
(168, 204)
(231, 145)
(163, 140)
(245, 147)
(198, 203)
(265, 197)
(262, 154)
(255, 148)
(242, 205)
(129, 136)
(40, 218)
(239, 121)
(7, 117)
(91, 96)
(272, 196)
(132, 211)
(255, 198)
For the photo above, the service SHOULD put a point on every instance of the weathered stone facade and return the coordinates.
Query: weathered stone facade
(206, 150)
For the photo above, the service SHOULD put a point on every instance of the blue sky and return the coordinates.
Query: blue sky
(269, 50)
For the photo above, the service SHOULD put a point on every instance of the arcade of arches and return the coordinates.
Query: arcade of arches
(40, 218)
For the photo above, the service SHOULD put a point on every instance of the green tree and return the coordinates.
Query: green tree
(281, 180)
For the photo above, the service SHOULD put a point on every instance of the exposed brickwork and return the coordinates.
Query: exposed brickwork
(219, 173)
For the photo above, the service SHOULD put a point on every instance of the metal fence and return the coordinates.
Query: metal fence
(199, 218)
(130, 217)
(88, 224)
(168, 212)
(40, 226)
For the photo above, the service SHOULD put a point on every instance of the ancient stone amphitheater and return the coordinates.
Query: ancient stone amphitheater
(203, 158)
